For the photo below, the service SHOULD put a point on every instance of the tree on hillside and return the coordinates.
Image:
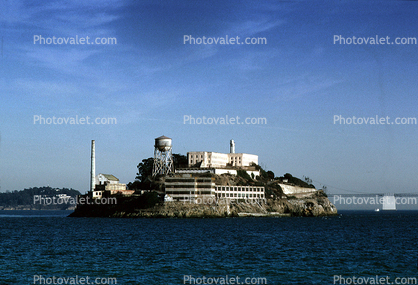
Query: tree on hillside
(296, 181)
(144, 169)
(143, 177)
(179, 160)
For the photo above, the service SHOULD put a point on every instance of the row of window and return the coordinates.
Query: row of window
(189, 192)
(240, 195)
(189, 180)
(234, 188)
(217, 189)
(192, 186)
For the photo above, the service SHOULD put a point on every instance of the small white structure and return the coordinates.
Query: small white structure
(232, 146)
(97, 194)
(168, 198)
(63, 196)
(103, 179)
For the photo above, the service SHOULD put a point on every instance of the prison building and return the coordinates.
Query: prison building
(239, 192)
(188, 188)
(220, 160)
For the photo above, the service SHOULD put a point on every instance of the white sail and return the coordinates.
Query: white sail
(389, 202)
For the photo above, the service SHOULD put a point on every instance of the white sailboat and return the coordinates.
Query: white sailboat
(389, 202)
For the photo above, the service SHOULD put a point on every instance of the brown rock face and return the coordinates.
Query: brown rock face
(307, 207)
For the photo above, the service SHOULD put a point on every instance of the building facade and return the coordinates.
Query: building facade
(219, 160)
(217, 171)
(108, 184)
(239, 192)
(188, 188)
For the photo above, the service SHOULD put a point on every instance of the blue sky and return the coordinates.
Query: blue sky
(150, 80)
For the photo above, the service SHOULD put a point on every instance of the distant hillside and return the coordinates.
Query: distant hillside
(25, 199)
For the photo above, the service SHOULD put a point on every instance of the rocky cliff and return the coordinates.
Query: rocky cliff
(313, 206)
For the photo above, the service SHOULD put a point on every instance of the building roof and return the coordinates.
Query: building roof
(163, 138)
(109, 177)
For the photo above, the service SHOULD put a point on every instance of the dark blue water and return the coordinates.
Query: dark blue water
(163, 251)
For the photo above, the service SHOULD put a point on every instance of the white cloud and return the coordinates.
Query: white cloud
(293, 88)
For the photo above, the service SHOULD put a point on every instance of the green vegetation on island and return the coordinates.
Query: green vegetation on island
(38, 198)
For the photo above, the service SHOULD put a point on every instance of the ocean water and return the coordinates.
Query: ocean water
(354, 244)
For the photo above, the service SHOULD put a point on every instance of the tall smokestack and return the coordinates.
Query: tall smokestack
(93, 166)
(232, 146)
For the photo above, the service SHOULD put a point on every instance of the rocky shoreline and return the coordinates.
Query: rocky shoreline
(313, 206)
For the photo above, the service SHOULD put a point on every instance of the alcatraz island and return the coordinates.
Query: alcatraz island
(199, 185)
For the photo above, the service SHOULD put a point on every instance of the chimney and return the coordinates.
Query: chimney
(93, 166)
(232, 146)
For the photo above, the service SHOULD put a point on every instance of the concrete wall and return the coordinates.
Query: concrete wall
(242, 159)
(217, 171)
(216, 159)
(112, 187)
(296, 190)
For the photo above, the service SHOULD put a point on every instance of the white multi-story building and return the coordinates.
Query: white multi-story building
(219, 160)
(189, 188)
(207, 159)
(239, 192)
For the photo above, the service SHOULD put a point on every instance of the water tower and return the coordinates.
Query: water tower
(163, 158)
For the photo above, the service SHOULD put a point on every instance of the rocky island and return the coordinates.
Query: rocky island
(203, 184)
(303, 202)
